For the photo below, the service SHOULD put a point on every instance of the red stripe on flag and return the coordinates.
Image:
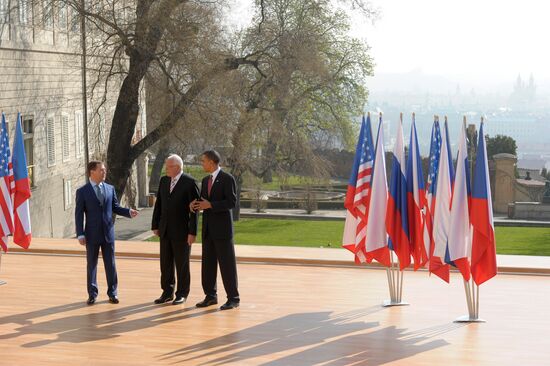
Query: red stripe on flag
(382, 255)
(440, 269)
(400, 241)
(416, 232)
(463, 266)
(484, 257)
(363, 173)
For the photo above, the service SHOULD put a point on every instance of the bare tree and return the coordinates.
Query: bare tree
(130, 39)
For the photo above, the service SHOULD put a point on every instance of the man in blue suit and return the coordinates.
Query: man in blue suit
(96, 202)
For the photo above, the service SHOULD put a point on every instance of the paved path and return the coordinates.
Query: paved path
(140, 227)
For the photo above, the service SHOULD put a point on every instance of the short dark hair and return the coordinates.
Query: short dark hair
(92, 165)
(212, 155)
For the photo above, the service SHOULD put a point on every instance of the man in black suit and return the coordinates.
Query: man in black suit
(218, 198)
(176, 226)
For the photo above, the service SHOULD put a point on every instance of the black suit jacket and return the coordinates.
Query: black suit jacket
(171, 215)
(217, 221)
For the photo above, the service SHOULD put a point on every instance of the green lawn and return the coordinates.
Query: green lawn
(523, 240)
(198, 173)
(510, 240)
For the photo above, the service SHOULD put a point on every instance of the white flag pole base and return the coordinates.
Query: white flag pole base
(468, 319)
(388, 303)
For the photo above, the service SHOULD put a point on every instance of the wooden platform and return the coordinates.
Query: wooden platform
(290, 315)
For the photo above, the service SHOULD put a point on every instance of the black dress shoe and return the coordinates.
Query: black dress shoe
(91, 300)
(229, 305)
(163, 299)
(178, 300)
(208, 301)
(113, 300)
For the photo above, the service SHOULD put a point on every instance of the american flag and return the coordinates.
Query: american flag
(7, 185)
(357, 196)
(435, 152)
(436, 265)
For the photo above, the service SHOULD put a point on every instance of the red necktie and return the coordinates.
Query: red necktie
(210, 182)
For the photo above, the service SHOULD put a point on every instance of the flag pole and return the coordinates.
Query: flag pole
(396, 289)
(390, 285)
(477, 302)
(401, 288)
(395, 285)
(473, 292)
(1, 282)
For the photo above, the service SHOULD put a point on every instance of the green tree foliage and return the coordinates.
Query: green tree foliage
(500, 144)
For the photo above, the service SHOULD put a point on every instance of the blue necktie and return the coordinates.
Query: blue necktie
(99, 195)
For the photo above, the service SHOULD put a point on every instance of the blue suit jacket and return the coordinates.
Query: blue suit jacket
(99, 227)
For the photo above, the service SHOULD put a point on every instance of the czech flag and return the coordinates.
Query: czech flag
(484, 257)
(22, 193)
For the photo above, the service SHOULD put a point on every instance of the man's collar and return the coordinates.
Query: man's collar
(94, 183)
(215, 173)
(177, 177)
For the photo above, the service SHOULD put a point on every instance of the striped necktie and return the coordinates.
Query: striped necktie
(173, 184)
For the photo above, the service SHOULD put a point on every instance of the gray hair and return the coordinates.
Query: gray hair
(176, 158)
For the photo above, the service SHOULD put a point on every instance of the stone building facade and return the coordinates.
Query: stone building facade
(41, 77)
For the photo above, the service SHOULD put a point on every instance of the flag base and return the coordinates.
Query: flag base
(388, 303)
(468, 319)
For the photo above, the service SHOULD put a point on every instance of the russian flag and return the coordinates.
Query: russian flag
(377, 238)
(442, 208)
(22, 193)
(416, 201)
(358, 193)
(484, 257)
(397, 213)
(459, 240)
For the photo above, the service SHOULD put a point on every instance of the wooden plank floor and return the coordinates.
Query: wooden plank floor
(290, 315)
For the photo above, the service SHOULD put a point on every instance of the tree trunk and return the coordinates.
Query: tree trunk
(237, 210)
(123, 125)
(161, 155)
(121, 154)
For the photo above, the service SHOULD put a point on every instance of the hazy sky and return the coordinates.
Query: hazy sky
(469, 40)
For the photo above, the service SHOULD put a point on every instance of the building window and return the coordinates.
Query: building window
(62, 16)
(4, 11)
(79, 136)
(24, 9)
(47, 14)
(65, 136)
(67, 193)
(50, 139)
(75, 20)
(28, 142)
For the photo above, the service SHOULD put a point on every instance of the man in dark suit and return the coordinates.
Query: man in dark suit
(96, 202)
(218, 198)
(176, 226)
